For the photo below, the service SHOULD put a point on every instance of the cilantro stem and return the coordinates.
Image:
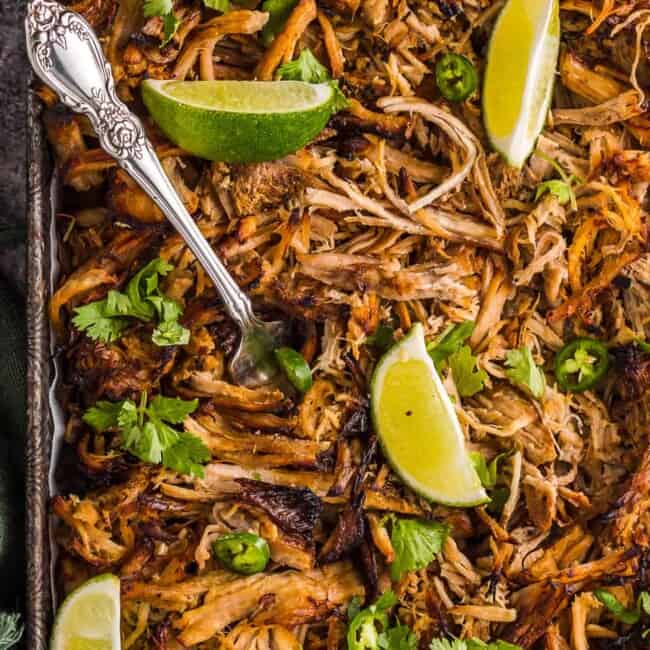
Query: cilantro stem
(142, 408)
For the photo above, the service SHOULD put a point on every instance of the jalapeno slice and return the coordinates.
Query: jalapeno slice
(365, 628)
(244, 553)
(295, 368)
(581, 364)
(456, 77)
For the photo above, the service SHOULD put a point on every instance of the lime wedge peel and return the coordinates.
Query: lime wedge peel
(417, 426)
(521, 64)
(89, 618)
(239, 121)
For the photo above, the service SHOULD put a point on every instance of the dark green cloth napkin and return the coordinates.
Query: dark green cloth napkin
(13, 344)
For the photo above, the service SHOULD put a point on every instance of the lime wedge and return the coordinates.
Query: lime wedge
(521, 63)
(89, 618)
(239, 121)
(418, 428)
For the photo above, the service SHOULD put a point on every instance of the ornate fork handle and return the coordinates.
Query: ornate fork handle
(66, 55)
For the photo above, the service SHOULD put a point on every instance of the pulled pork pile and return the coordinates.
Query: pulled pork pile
(397, 213)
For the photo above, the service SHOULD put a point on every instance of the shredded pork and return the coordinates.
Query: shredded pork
(399, 212)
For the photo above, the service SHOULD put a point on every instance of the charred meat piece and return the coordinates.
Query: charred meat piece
(295, 510)
(350, 528)
(347, 535)
(120, 370)
(633, 366)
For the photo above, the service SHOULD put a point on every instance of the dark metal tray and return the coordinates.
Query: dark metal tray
(39, 377)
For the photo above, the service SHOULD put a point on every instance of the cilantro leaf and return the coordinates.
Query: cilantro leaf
(187, 455)
(279, 12)
(643, 603)
(383, 337)
(166, 308)
(449, 342)
(524, 372)
(387, 600)
(128, 415)
(400, 637)
(218, 5)
(170, 27)
(153, 439)
(117, 304)
(157, 7)
(498, 498)
(170, 333)
(469, 379)
(617, 609)
(354, 607)
(340, 101)
(487, 473)
(103, 415)
(171, 409)
(143, 285)
(92, 320)
(415, 543)
(482, 469)
(305, 68)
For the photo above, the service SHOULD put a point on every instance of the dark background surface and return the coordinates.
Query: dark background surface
(13, 93)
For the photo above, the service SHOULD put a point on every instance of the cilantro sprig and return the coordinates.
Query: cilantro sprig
(147, 434)
(416, 542)
(449, 349)
(309, 69)
(449, 342)
(105, 320)
(305, 68)
(525, 373)
(561, 188)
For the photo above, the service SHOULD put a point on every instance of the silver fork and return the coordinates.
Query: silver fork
(67, 56)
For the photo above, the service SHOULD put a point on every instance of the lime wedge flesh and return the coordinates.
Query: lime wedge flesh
(418, 428)
(239, 121)
(521, 63)
(89, 618)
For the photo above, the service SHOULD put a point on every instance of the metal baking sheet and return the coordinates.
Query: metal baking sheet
(40, 376)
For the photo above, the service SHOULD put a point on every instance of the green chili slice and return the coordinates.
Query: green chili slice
(244, 553)
(456, 77)
(365, 628)
(295, 368)
(581, 364)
